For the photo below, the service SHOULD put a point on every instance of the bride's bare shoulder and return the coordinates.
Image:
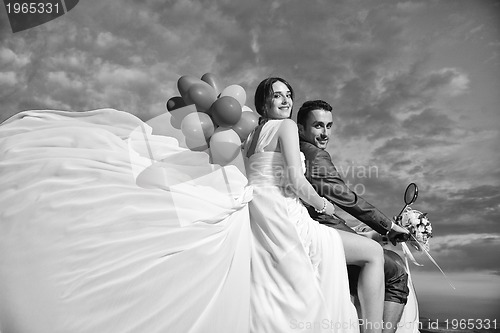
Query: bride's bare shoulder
(288, 127)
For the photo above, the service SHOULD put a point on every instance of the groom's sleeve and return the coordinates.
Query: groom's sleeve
(327, 181)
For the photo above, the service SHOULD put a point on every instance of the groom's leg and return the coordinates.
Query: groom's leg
(392, 315)
(396, 290)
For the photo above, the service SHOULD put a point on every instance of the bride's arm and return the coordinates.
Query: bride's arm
(289, 141)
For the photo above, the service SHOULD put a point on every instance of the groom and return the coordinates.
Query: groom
(314, 120)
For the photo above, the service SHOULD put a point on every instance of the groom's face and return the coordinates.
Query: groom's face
(318, 127)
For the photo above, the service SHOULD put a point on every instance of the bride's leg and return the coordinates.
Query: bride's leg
(367, 254)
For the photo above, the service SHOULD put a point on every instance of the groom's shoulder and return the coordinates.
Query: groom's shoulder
(311, 152)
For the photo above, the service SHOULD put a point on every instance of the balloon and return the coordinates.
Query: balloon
(225, 111)
(224, 146)
(212, 80)
(196, 144)
(247, 123)
(235, 91)
(245, 108)
(202, 95)
(184, 83)
(175, 103)
(177, 115)
(197, 125)
(175, 122)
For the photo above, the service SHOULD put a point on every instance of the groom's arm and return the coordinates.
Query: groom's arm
(328, 183)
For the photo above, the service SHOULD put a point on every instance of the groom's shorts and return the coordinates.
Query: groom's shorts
(396, 278)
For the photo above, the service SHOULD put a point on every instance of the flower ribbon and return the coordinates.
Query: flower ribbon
(409, 255)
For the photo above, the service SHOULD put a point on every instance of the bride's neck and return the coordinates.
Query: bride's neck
(263, 120)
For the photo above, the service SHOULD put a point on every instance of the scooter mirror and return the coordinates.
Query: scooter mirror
(411, 193)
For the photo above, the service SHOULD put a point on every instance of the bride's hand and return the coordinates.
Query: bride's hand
(330, 208)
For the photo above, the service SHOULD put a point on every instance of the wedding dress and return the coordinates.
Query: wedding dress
(299, 276)
(105, 227)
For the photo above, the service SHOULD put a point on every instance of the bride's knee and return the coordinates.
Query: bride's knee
(375, 253)
(362, 251)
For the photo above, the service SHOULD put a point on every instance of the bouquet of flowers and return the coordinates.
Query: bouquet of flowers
(419, 227)
(420, 230)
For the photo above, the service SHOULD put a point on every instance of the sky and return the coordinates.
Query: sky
(414, 86)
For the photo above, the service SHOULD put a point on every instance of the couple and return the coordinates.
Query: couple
(299, 277)
(107, 227)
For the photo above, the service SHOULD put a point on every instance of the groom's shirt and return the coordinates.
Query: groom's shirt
(326, 180)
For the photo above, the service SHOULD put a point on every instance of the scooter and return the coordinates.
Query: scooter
(409, 322)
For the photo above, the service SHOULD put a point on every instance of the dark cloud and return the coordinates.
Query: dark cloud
(429, 122)
(396, 166)
(413, 90)
(465, 253)
(477, 193)
(394, 149)
(471, 210)
(496, 272)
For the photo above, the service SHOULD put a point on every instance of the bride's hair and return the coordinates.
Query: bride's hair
(264, 94)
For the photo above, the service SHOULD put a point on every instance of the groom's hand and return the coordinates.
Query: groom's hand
(398, 234)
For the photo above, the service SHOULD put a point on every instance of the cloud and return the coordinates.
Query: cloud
(460, 252)
(118, 76)
(429, 122)
(397, 94)
(451, 242)
(108, 40)
(476, 203)
(449, 80)
(8, 79)
(341, 49)
(11, 59)
(62, 80)
(410, 6)
(255, 42)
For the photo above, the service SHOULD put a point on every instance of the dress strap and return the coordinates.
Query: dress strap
(262, 136)
(255, 138)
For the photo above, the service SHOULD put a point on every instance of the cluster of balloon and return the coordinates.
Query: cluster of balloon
(220, 120)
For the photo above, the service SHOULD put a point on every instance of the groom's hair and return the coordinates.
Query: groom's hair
(310, 106)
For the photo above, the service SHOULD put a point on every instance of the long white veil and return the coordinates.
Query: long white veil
(105, 227)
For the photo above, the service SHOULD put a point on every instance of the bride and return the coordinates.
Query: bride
(106, 227)
(298, 266)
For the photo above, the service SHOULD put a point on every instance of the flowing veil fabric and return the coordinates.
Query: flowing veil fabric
(105, 227)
